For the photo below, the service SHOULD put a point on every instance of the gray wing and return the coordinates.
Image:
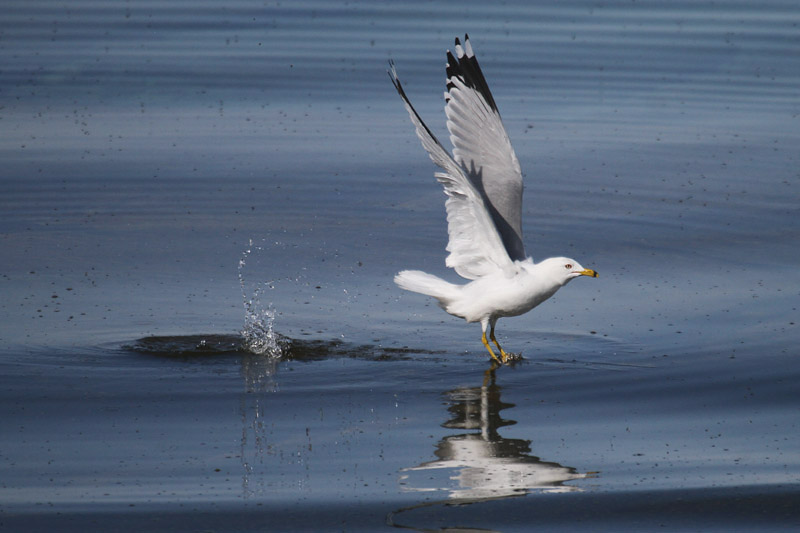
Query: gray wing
(482, 147)
(475, 246)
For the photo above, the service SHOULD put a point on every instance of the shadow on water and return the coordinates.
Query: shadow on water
(200, 346)
(477, 464)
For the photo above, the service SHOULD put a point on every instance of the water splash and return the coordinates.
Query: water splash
(258, 334)
(311, 283)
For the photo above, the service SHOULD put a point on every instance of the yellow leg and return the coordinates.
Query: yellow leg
(504, 356)
(486, 343)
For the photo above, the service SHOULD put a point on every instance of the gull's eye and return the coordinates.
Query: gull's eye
(568, 266)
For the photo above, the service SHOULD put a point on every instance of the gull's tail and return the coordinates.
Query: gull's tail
(424, 283)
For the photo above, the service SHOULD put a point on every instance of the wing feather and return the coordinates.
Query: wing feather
(475, 246)
(482, 147)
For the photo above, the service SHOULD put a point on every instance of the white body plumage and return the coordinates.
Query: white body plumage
(504, 293)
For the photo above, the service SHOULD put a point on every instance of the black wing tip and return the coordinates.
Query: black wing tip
(392, 72)
(465, 67)
(466, 49)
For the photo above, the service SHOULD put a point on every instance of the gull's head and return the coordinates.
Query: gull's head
(564, 269)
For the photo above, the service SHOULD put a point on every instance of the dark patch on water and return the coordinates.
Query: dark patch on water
(201, 346)
(188, 345)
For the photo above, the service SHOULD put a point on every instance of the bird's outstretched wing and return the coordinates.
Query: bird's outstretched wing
(475, 246)
(482, 147)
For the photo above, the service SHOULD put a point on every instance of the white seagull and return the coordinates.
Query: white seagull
(483, 184)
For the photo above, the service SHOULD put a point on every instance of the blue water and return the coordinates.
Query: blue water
(165, 164)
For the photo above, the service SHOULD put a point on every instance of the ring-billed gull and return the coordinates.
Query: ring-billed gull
(483, 184)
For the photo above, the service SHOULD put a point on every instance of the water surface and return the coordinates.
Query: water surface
(164, 166)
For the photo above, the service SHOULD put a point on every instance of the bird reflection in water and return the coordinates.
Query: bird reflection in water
(478, 464)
